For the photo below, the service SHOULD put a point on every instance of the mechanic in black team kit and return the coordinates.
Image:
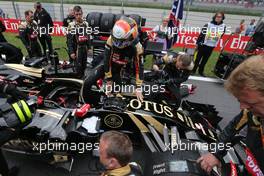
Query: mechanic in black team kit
(9, 118)
(45, 24)
(171, 70)
(124, 52)
(28, 34)
(246, 83)
(70, 17)
(78, 40)
(2, 29)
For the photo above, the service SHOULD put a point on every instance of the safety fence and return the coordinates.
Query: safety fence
(59, 10)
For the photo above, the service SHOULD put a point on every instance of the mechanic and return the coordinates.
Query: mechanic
(79, 40)
(2, 29)
(28, 32)
(8, 131)
(177, 68)
(116, 151)
(124, 51)
(246, 83)
(45, 24)
(70, 17)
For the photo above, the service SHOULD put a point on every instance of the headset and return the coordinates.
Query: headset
(222, 13)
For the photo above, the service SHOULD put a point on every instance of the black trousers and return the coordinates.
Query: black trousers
(116, 73)
(204, 52)
(172, 41)
(81, 59)
(34, 50)
(3, 165)
(5, 135)
(45, 39)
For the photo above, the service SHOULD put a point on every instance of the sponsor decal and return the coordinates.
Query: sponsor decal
(252, 164)
(166, 111)
(159, 168)
(233, 169)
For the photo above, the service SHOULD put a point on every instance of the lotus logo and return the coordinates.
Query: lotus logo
(113, 121)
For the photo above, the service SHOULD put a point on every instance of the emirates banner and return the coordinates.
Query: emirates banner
(12, 26)
(233, 43)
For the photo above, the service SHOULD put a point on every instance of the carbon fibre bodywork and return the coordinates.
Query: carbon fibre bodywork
(55, 122)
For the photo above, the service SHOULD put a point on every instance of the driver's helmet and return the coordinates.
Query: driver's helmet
(124, 33)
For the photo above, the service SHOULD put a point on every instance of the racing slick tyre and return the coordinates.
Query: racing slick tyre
(137, 18)
(94, 19)
(11, 52)
(107, 22)
(118, 17)
(226, 63)
(258, 36)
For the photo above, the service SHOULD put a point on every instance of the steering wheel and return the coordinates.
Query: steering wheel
(114, 103)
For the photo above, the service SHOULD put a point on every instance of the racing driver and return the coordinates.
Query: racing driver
(123, 52)
(246, 83)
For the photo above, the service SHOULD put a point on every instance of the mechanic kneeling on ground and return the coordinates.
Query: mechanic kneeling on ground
(115, 151)
(246, 83)
(123, 52)
(12, 118)
(177, 68)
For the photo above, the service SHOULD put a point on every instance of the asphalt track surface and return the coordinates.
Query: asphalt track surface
(206, 92)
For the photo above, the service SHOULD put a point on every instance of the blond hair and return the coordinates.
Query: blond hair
(248, 75)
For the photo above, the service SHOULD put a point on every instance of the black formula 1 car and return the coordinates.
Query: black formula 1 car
(156, 129)
(71, 112)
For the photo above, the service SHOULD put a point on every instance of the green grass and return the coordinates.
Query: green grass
(59, 42)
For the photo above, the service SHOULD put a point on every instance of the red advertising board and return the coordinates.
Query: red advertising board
(12, 26)
(235, 43)
(231, 43)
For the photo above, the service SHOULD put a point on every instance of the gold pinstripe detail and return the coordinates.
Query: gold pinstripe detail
(156, 124)
(138, 123)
